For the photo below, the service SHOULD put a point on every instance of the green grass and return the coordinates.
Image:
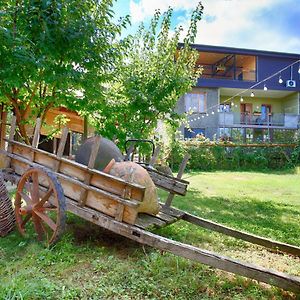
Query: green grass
(91, 263)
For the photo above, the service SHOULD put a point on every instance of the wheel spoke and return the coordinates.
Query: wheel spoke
(47, 220)
(38, 227)
(25, 220)
(45, 208)
(45, 198)
(24, 196)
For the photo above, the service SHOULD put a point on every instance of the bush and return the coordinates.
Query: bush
(210, 155)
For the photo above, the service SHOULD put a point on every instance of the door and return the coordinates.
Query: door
(246, 113)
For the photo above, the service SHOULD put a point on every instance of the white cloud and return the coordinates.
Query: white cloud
(232, 23)
(139, 10)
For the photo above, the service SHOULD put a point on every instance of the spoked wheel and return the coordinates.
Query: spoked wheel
(40, 201)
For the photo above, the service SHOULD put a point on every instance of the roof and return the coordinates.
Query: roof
(231, 50)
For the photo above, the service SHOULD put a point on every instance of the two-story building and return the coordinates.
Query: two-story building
(243, 94)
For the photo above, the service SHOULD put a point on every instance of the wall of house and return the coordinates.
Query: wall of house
(208, 123)
(291, 104)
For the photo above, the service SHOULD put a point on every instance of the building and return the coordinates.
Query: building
(245, 94)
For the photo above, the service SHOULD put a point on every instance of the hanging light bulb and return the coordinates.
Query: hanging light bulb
(202, 116)
(242, 99)
(265, 88)
(252, 94)
(232, 103)
(280, 80)
(212, 112)
(207, 114)
(218, 110)
(198, 118)
(299, 69)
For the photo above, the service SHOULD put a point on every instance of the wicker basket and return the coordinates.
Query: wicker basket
(7, 216)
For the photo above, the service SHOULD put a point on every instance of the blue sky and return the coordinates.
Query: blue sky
(255, 24)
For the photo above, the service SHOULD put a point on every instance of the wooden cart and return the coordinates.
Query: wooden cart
(48, 185)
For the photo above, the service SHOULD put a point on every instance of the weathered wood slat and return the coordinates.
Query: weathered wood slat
(91, 165)
(75, 170)
(172, 211)
(11, 137)
(166, 182)
(179, 175)
(36, 135)
(282, 280)
(166, 218)
(146, 221)
(61, 148)
(254, 239)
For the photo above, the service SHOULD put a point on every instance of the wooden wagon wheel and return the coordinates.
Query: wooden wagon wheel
(40, 199)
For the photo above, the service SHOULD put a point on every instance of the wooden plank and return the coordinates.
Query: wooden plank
(179, 175)
(91, 164)
(94, 152)
(172, 211)
(96, 198)
(282, 280)
(166, 218)
(120, 212)
(167, 183)
(251, 238)
(146, 221)
(36, 135)
(61, 148)
(11, 137)
(3, 127)
(78, 171)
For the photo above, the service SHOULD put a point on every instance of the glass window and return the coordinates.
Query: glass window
(224, 107)
(190, 133)
(195, 102)
(227, 66)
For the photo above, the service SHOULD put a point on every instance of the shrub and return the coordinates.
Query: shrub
(211, 155)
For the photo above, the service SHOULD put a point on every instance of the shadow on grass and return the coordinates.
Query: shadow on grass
(274, 220)
(85, 232)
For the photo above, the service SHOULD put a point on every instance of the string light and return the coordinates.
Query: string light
(265, 88)
(252, 94)
(242, 99)
(232, 103)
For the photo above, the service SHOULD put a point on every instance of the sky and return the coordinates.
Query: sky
(272, 25)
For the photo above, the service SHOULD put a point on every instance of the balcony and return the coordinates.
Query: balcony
(257, 120)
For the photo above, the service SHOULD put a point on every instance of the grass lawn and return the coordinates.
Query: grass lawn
(91, 263)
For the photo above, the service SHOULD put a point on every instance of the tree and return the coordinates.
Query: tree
(153, 75)
(52, 49)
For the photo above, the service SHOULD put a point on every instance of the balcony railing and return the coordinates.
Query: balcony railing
(258, 119)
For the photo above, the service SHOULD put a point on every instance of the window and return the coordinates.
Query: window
(227, 66)
(193, 132)
(195, 102)
(224, 107)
